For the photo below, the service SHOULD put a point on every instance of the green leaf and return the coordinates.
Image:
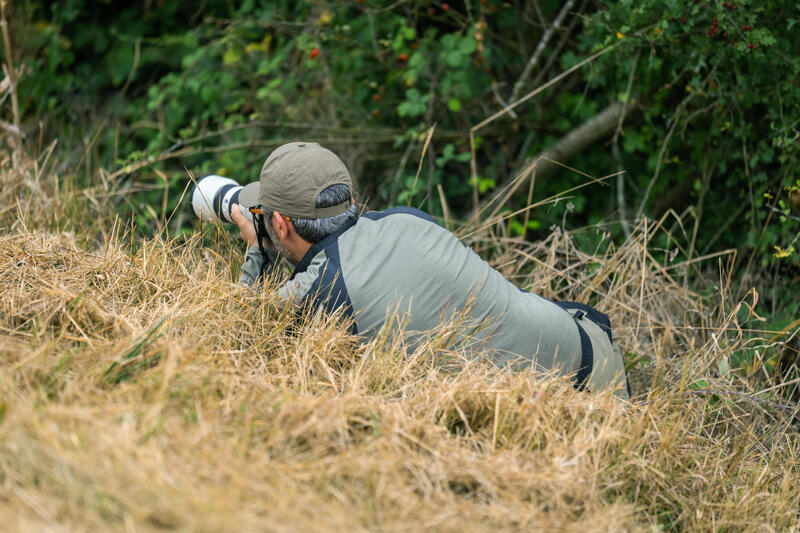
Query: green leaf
(633, 141)
(467, 45)
(454, 104)
(453, 58)
(232, 55)
(569, 59)
(416, 61)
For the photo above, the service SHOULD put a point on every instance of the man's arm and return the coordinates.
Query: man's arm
(303, 289)
(310, 286)
(253, 263)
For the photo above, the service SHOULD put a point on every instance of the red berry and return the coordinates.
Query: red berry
(314, 53)
(414, 46)
(683, 20)
(376, 97)
(725, 34)
(402, 57)
(445, 7)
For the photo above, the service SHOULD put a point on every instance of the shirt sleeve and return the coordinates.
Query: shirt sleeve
(296, 290)
(253, 263)
(293, 291)
(315, 287)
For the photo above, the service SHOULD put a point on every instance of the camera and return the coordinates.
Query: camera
(213, 197)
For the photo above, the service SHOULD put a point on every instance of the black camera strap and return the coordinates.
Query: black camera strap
(261, 234)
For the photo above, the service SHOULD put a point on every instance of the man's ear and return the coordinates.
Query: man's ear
(280, 225)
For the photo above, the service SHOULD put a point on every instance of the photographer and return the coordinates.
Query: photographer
(402, 260)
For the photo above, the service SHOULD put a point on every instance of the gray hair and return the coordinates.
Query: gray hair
(314, 230)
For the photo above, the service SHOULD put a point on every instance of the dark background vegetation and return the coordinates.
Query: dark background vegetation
(697, 102)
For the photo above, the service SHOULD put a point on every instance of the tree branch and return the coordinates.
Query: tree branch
(12, 75)
(618, 155)
(572, 143)
(548, 34)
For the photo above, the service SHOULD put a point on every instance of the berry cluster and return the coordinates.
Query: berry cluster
(714, 29)
(728, 5)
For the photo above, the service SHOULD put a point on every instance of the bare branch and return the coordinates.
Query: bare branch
(548, 34)
(12, 75)
(618, 155)
(572, 143)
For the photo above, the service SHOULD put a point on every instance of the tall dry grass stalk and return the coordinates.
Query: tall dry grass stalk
(141, 389)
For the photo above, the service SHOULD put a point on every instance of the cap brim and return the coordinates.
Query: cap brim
(248, 197)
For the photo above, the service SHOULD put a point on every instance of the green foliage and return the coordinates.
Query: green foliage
(711, 129)
(719, 77)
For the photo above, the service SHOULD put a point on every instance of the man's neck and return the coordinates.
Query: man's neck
(297, 248)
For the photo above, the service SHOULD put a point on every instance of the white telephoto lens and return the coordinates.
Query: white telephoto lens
(246, 212)
(213, 197)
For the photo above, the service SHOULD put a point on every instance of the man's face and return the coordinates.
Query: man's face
(276, 242)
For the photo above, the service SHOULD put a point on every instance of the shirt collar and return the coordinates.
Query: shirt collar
(318, 247)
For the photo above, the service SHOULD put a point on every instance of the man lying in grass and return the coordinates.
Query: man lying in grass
(379, 264)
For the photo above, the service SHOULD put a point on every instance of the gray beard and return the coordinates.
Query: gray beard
(277, 244)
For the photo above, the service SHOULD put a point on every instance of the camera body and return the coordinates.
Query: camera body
(214, 196)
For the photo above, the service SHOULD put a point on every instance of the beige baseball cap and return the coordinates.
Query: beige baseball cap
(293, 176)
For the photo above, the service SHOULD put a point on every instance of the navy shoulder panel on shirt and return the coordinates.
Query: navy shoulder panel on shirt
(324, 244)
(329, 291)
(377, 215)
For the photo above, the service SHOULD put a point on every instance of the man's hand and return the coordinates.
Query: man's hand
(246, 226)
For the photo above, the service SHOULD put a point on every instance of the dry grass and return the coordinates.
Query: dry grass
(140, 389)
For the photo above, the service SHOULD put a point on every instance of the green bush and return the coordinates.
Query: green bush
(710, 130)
